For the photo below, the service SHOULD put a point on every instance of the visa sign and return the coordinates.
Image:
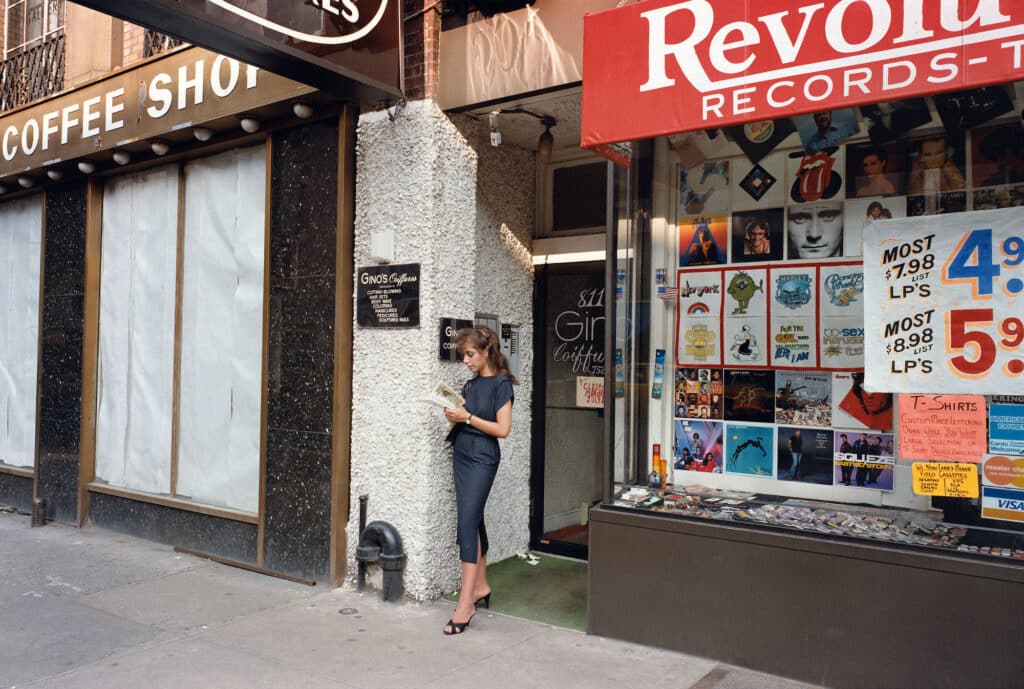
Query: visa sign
(1002, 503)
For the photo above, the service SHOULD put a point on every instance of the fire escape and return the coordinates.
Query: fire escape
(156, 43)
(33, 72)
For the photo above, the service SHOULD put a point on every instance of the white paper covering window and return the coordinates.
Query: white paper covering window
(222, 330)
(20, 247)
(136, 348)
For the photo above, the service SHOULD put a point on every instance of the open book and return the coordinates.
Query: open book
(443, 396)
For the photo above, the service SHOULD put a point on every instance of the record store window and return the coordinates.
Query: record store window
(815, 327)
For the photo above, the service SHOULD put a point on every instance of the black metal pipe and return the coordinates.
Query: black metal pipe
(363, 500)
(380, 541)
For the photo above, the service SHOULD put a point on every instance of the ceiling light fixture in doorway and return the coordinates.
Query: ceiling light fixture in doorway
(546, 142)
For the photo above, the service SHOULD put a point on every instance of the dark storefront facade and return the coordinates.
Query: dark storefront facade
(806, 474)
(194, 242)
(219, 386)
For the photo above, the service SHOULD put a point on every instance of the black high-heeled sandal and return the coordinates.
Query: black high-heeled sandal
(486, 600)
(453, 627)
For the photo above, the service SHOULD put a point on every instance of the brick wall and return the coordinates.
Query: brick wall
(134, 37)
(3, 28)
(422, 33)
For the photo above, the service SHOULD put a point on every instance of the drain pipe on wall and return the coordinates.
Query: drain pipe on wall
(380, 542)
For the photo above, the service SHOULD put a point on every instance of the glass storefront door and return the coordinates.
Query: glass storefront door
(569, 406)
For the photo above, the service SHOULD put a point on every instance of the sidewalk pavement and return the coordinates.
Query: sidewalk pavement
(92, 609)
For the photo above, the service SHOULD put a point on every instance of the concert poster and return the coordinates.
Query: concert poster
(802, 398)
(750, 450)
(805, 454)
(864, 460)
(697, 446)
(699, 393)
(855, 407)
(749, 395)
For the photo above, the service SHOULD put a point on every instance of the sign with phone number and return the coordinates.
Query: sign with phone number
(945, 297)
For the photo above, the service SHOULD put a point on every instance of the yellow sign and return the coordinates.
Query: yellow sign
(947, 479)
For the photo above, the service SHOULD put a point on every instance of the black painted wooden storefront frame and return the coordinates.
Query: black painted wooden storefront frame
(304, 484)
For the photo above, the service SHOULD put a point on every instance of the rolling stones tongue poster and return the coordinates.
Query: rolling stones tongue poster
(817, 176)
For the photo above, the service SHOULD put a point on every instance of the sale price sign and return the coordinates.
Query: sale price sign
(947, 291)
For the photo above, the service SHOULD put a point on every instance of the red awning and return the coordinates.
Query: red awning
(664, 66)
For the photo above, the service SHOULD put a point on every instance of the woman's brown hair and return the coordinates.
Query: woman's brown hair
(484, 339)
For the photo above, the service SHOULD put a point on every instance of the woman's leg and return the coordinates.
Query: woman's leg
(465, 608)
(472, 486)
(481, 588)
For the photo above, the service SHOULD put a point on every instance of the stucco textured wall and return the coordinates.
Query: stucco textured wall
(419, 175)
(504, 286)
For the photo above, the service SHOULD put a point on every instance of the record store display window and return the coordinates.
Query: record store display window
(818, 324)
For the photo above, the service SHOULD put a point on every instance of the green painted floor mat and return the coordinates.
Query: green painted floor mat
(553, 591)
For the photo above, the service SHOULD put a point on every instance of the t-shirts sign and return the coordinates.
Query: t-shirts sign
(949, 428)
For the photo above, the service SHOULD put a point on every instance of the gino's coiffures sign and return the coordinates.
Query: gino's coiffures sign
(349, 47)
(661, 67)
(186, 88)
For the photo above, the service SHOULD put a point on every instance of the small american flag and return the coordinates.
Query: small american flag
(668, 293)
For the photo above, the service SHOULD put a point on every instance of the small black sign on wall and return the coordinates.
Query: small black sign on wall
(450, 327)
(388, 296)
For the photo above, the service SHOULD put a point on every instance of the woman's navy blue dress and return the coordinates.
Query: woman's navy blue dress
(476, 456)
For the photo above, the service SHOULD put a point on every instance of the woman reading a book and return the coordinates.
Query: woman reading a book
(485, 417)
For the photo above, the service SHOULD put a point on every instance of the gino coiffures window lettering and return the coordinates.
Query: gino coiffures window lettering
(579, 332)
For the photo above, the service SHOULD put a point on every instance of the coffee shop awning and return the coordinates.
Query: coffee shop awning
(660, 67)
(177, 101)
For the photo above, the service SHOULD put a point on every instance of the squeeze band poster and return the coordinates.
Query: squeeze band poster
(804, 316)
(947, 292)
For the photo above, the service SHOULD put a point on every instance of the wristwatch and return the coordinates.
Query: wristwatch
(468, 419)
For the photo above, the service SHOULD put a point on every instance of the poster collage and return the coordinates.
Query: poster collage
(769, 318)
(808, 426)
(772, 204)
(806, 316)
